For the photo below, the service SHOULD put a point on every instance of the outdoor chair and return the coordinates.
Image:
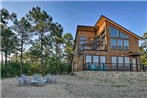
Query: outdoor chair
(93, 67)
(103, 67)
(19, 80)
(23, 81)
(35, 79)
(54, 78)
(48, 78)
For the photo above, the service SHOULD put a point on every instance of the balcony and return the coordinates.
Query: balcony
(97, 66)
(92, 47)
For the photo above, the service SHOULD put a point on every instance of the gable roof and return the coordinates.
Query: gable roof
(104, 18)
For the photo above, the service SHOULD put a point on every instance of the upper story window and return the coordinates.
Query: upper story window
(113, 43)
(113, 32)
(82, 42)
(82, 38)
(126, 45)
(119, 44)
(122, 35)
(116, 33)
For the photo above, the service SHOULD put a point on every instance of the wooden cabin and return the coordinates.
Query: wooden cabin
(107, 45)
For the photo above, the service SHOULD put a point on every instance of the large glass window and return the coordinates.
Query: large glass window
(114, 63)
(95, 60)
(119, 44)
(88, 59)
(113, 43)
(120, 62)
(113, 32)
(122, 35)
(126, 45)
(127, 63)
(102, 59)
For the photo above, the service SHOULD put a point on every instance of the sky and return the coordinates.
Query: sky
(131, 15)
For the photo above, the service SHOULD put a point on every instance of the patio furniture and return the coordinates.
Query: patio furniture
(93, 67)
(23, 81)
(54, 78)
(37, 81)
(48, 78)
(103, 67)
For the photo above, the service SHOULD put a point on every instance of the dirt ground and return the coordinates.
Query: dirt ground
(79, 87)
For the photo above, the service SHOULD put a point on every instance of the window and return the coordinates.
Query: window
(119, 44)
(126, 45)
(113, 32)
(95, 60)
(82, 38)
(102, 59)
(127, 63)
(120, 62)
(82, 42)
(113, 43)
(114, 63)
(122, 35)
(87, 47)
(88, 59)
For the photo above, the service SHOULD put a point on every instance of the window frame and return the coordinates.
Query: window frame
(111, 27)
(83, 37)
(114, 45)
(120, 45)
(124, 44)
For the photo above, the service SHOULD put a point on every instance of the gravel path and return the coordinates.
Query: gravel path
(80, 87)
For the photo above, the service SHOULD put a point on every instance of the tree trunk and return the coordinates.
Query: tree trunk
(9, 57)
(36, 66)
(21, 55)
(42, 64)
(6, 62)
(2, 58)
(15, 57)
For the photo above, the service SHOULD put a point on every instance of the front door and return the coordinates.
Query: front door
(134, 64)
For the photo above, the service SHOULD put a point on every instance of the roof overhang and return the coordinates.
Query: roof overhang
(103, 18)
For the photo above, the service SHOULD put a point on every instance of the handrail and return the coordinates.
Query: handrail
(97, 66)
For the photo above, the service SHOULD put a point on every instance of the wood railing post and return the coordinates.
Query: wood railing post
(117, 66)
(130, 67)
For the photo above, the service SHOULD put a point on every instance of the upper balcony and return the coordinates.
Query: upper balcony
(92, 47)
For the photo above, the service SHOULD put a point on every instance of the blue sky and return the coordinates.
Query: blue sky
(131, 15)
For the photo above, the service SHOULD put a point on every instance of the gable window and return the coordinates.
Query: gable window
(113, 32)
(119, 44)
(126, 45)
(122, 35)
(113, 43)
